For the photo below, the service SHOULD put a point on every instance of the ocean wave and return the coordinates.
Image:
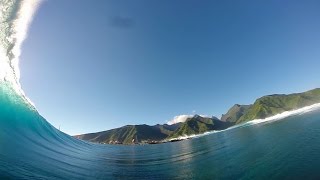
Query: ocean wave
(15, 18)
(276, 117)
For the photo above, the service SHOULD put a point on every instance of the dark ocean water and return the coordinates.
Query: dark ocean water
(30, 148)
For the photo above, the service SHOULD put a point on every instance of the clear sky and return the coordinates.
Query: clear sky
(95, 65)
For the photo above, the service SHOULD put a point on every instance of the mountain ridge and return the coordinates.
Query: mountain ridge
(263, 107)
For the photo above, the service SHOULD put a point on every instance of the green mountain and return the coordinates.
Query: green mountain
(267, 106)
(235, 113)
(263, 107)
(131, 134)
(199, 125)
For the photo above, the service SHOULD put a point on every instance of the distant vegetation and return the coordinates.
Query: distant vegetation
(263, 107)
(131, 134)
(274, 104)
(199, 125)
(235, 113)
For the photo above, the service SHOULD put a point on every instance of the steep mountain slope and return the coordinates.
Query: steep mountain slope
(263, 107)
(198, 125)
(267, 106)
(168, 129)
(131, 134)
(235, 113)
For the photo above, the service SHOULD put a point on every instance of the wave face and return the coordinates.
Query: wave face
(30, 148)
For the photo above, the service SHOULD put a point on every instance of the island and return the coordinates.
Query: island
(263, 107)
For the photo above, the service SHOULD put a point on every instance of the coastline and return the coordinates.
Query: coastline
(270, 119)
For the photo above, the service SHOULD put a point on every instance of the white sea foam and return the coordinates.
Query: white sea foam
(15, 17)
(277, 117)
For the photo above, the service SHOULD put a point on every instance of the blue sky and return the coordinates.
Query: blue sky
(91, 66)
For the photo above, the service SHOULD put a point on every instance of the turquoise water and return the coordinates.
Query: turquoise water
(30, 148)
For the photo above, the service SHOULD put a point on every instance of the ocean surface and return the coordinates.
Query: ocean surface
(30, 148)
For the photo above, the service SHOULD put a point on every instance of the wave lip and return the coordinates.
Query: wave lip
(15, 17)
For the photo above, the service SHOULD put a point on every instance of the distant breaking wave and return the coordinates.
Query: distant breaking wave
(276, 117)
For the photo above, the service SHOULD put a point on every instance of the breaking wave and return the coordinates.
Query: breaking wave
(277, 117)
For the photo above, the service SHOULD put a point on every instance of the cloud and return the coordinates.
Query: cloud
(180, 118)
(183, 118)
(122, 22)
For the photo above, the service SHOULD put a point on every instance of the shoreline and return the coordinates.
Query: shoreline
(273, 118)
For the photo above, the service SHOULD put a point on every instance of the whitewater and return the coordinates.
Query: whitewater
(270, 119)
(31, 148)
